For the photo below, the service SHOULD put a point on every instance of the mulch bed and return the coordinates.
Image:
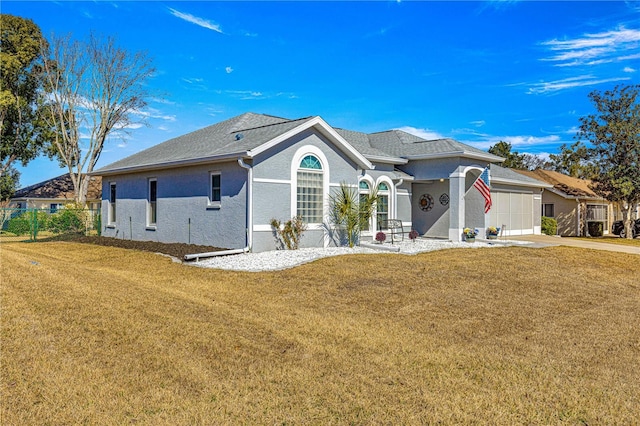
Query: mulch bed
(177, 250)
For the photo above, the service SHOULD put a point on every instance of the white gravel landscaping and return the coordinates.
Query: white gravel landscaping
(283, 259)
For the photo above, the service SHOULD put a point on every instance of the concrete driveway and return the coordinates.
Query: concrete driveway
(548, 241)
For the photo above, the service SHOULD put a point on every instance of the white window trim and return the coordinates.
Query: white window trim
(112, 205)
(391, 194)
(210, 203)
(295, 166)
(151, 225)
(372, 186)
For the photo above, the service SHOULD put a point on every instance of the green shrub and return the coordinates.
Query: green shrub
(549, 226)
(595, 229)
(20, 225)
(97, 222)
(67, 221)
(42, 220)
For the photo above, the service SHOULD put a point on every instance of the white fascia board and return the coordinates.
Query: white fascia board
(519, 183)
(387, 160)
(327, 131)
(408, 178)
(170, 164)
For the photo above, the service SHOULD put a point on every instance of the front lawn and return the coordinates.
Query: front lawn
(102, 335)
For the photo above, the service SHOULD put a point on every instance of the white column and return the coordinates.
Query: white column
(456, 204)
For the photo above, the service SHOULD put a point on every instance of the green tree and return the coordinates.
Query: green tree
(572, 160)
(614, 133)
(22, 128)
(94, 88)
(9, 182)
(513, 160)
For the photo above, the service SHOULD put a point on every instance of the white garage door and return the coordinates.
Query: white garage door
(512, 211)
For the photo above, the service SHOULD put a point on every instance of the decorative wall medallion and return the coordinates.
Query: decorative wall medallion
(426, 202)
(444, 199)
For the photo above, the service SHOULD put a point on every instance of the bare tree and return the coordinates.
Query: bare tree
(95, 89)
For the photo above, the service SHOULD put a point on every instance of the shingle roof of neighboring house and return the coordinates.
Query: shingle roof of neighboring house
(566, 185)
(250, 133)
(59, 188)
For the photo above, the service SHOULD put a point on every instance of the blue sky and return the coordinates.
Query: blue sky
(478, 72)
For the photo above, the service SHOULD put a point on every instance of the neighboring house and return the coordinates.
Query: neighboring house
(222, 185)
(55, 193)
(573, 203)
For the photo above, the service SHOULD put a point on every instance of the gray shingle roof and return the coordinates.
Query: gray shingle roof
(361, 142)
(403, 144)
(506, 175)
(239, 135)
(233, 136)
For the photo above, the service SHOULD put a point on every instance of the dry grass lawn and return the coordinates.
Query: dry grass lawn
(103, 336)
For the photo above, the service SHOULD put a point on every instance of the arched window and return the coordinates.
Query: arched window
(364, 191)
(310, 190)
(382, 211)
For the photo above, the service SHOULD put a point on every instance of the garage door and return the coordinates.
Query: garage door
(512, 211)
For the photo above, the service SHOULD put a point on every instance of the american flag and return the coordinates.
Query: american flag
(482, 185)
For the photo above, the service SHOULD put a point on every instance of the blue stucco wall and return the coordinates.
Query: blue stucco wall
(183, 214)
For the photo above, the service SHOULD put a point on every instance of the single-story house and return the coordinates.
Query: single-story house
(574, 205)
(222, 185)
(55, 193)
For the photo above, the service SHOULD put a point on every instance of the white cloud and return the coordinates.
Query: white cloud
(196, 20)
(569, 83)
(516, 141)
(425, 134)
(228, 70)
(192, 80)
(478, 123)
(629, 69)
(154, 113)
(133, 126)
(594, 49)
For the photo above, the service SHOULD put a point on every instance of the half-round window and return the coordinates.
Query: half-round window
(310, 162)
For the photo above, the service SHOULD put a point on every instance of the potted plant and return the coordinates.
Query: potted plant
(381, 237)
(492, 232)
(413, 235)
(470, 234)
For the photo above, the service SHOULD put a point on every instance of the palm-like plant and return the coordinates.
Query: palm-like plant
(351, 210)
